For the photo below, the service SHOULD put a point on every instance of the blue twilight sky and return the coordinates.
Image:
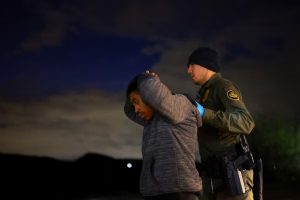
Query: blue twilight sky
(65, 65)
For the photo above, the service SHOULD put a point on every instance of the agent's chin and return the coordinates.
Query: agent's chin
(195, 82)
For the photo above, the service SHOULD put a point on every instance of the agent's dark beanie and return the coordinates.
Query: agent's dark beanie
(205, 57)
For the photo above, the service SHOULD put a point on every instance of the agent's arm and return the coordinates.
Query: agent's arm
(235, 118)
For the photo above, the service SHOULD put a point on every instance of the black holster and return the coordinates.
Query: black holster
(233, 176)
(229, 167)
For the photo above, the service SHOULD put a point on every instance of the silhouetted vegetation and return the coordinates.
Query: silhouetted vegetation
(277, 141)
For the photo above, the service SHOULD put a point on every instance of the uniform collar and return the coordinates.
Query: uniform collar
(206, 85)
(212, 80)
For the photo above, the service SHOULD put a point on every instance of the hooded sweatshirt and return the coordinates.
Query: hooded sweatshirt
(169, 140)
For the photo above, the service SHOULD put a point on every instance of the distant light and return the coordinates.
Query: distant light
(129, 165)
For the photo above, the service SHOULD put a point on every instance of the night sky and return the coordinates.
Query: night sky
(65, 65)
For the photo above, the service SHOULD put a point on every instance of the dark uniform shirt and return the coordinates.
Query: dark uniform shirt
(225, 118)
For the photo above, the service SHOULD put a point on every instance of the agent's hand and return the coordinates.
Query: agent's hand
(200, 109)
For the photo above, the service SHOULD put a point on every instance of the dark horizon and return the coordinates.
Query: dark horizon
(92, 176)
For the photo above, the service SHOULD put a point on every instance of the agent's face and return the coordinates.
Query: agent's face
(140, 108)
(197, 73)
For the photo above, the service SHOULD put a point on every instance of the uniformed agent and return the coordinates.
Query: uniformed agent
(225, 119)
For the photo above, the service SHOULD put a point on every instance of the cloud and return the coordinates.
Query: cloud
(132, 19)
(52, 35)
(56, 24)
(243, 23)
(258, 53)
(68, 126)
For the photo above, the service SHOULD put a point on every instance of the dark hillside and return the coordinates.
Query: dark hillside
(27, 176)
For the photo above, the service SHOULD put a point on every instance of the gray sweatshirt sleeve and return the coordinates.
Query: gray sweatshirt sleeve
(174, 107)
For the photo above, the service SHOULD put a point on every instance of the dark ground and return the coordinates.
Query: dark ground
(92, 177)
(282, 191)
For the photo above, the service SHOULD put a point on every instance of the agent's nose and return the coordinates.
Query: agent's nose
(189, 69)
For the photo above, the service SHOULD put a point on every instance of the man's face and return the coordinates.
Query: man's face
(140, 108)
(198, 73)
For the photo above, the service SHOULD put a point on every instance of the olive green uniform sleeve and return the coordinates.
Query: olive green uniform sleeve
(231, 116)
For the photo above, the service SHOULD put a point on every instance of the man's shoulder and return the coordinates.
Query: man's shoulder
(188, 98)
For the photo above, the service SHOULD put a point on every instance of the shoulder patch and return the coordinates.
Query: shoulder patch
(232, 95)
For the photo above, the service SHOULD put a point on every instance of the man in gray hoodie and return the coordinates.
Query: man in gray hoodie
(170, 124)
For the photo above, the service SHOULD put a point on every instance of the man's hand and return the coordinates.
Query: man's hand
(148, 72)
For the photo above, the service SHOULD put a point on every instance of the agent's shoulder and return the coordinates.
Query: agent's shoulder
(222, 82)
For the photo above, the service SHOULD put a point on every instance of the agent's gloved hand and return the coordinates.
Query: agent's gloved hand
(200, 109)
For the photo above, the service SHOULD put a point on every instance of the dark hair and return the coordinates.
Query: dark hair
(132, 86)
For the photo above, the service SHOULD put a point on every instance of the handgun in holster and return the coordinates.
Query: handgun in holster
(257, 169)
(233, 168)
(233, 177)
